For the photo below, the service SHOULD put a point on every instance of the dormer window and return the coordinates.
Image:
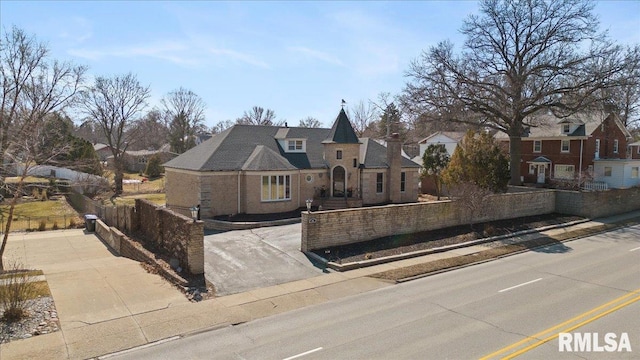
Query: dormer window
(566, 128)
(295, 145)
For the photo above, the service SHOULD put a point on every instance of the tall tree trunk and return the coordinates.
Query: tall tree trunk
(515, 150)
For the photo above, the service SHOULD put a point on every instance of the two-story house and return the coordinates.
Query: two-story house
(250, 169)
(585, 144)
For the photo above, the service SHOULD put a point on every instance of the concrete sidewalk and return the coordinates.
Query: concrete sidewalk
(108, 304)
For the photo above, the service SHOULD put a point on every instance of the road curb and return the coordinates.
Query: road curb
(616, 225)
(387, 259)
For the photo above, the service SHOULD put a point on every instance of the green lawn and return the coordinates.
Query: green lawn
(33, 215)
(156, 198)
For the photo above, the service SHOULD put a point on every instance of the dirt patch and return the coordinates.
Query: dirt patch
(401, 244)
(429, 267)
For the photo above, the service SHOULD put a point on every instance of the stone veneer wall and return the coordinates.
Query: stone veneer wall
(597, 203)
(173, 233)
(332, 228)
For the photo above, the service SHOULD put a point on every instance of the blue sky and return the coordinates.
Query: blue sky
(297, 58)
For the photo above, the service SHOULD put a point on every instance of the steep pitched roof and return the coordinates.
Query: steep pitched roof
(342, 131)
(231, 150)
(375, 155)
(263, 158)
(547, 125)
(453, 135)
(257, 148)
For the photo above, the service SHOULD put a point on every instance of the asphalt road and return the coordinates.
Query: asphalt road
(463, 314)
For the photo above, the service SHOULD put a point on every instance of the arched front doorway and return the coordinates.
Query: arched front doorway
(339, 180)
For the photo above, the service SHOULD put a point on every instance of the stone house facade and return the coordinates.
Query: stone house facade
(249, 169)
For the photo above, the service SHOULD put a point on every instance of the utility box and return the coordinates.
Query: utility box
(90, 222)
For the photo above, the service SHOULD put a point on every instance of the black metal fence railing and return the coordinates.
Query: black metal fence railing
(28, 223)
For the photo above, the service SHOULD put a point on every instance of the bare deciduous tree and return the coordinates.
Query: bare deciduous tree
(33, 86)
(258, 116)
(520, 58)
(155, 130)
(184, 110)
(222, 126)
(363, 116)
(310, 122)
(115, 103)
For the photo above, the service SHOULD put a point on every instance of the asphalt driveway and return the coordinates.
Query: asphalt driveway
(243, 260)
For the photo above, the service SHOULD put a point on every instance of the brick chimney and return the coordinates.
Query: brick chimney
(394, 160)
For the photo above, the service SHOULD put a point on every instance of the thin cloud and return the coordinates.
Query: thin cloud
(315, 54)
(239, 56)
(170, 51)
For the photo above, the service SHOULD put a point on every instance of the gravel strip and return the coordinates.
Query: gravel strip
(42, 319)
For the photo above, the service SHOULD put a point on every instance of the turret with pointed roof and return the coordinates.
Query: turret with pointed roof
(342, 132)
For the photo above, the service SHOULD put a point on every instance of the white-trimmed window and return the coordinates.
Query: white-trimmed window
(276, 187)
(564, 171)
(566, 128)
(537, 146)
(565, 146)
(532, 169)
(607, 171)
(616, 145)
(339, 154)
(403, 181)
(295, 145)
(379, 182)
(634, 172)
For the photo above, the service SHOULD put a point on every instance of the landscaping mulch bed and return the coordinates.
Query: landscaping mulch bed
(260, 217)
(400, 244)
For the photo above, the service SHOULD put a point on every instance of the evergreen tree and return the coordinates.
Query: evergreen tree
(434, 160)
(154, 167)
(480, 161)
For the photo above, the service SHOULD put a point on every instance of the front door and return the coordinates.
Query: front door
(541, 173)
(338, 181)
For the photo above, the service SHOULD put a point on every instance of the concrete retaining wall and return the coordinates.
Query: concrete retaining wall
(124, 246)
(333, 228)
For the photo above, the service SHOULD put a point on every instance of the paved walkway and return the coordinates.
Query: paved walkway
(108, 304)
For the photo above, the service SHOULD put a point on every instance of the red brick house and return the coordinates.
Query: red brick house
(557, 149)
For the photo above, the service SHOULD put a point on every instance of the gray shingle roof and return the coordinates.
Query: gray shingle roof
(342, 131)
(548, 125)
(263, 158)
(254, 147)
(231, 149)
(375, 155)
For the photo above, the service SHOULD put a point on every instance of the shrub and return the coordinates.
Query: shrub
(489, 230)
(154, 167)
(55, 226)
(72, 224)
(42, 226)
(15, 292)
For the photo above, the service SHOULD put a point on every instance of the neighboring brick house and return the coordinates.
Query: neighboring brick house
(269, 169)
(558, 149)
(633, 150)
